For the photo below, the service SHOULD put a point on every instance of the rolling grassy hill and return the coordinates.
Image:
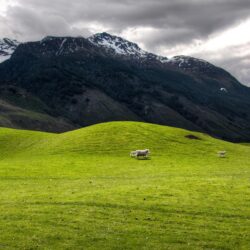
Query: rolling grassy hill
(81, 190)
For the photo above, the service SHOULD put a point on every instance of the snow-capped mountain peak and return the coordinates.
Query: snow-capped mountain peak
(117, 44)
(123, 47)
(7, 48)
(112, 44)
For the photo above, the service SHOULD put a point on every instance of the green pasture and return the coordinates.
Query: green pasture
(81, 190)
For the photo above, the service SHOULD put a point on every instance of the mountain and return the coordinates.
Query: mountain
(117, 45)
(74, 82)
(120, 46)
(7, 48)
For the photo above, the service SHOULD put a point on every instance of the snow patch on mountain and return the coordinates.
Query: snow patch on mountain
(190, 63)
(162, 59)
(117, 44)
(60, 51)
(223, 90)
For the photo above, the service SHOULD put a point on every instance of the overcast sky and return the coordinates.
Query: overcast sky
(215, 30)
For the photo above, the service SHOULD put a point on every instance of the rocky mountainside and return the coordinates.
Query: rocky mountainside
(120, 46)
(62, 83)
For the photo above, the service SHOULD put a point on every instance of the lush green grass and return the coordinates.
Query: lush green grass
(81, 190)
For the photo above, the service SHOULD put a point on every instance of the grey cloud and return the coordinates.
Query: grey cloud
(201, 17)
(31, 24)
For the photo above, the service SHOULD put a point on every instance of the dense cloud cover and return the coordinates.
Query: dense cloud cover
(216, 30)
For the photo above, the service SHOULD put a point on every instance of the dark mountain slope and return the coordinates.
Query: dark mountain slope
(20, 109)
(87, 83)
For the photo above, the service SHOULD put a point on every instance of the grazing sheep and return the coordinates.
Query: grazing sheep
(140, 153)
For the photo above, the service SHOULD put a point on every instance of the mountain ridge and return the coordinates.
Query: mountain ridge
(116, 44)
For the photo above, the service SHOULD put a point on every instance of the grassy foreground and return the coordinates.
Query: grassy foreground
(81, 190)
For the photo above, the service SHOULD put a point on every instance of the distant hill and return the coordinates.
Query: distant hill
(61, 83)
(98, 140)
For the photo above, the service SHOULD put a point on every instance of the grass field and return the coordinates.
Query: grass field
(81, 190)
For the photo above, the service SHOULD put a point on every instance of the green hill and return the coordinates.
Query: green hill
(81, 190)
